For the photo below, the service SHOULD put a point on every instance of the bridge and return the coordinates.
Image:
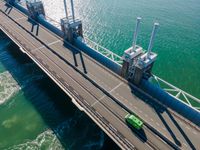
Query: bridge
(105, 96)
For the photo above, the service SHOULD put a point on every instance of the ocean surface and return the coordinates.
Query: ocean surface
(35, 114)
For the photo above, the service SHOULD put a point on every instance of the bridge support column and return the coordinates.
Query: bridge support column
(35, 8)
(136, 63)
(71, 27)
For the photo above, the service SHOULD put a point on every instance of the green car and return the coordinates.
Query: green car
(134, 121)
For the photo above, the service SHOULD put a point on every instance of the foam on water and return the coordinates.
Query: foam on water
(45, 140)
(8, 86)
(50, 139)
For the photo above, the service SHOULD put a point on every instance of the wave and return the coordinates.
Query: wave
(65, 136)
(8, 86)
(45, 140)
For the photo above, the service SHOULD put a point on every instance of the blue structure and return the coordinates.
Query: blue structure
(168, 100)
(180, 107)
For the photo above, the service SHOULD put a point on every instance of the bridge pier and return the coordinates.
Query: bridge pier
(35, 8)
(136, 63)
(71, 27)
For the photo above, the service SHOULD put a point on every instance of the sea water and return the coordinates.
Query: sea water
(36, 114)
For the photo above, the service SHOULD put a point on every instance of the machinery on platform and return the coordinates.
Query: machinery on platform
(12, 1)
(71, 27)
(35, 8)
(137, 64)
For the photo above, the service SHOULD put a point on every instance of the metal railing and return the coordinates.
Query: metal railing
(104, 51)
(177, 93)
(54, 22)
(167, 87)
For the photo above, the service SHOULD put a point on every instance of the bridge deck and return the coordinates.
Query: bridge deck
(97, 90)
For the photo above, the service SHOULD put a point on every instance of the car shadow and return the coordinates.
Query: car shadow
(138, 133)
(160, 109)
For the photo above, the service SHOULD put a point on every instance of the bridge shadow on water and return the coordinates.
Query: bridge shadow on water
(159, 109)
(55, 107)
(48, 87)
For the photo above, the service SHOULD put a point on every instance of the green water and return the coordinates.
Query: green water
(111, 24)
(38, 115)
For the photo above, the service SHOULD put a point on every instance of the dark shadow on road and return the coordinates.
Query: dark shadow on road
(8, 9)
(67, 45)
(35, 26)
(181, 131)
(75, 60)
(55, 109)
(139, 133)
(74, 53)
(159, 109)
(168, 127)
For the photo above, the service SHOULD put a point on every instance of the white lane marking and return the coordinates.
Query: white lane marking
(112, 127)
(151, 119)
(58, 76)
(163, 128)
(44, 62)
(38, 48)
(187, 128)
(98, 101)
(194, 132)
(116, 87)
(50, 69)
(20, 18)
(75, 92)
(49, 44)
(100, 82)
(185, 144)
(86, 102)
(98, 113)
(15, 19)
(66, 83)
(157, 124)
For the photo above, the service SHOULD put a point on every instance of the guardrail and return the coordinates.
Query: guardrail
(167, 87)
(177, 93)
(104, 51)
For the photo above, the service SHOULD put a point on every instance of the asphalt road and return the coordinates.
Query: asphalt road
(105, 97)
